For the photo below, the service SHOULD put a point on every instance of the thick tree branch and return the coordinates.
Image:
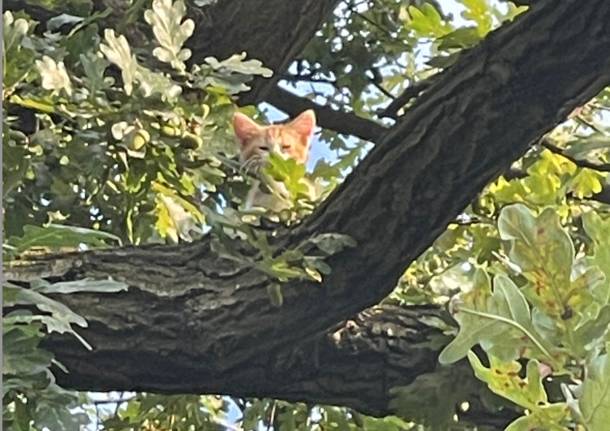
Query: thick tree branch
(379, 350)
(272, 31)
(187, 303)
(328, 118)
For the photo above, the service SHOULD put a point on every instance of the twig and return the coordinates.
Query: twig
(272, 415)
(601, 167)
(311, 78)
(341, 122)
(383, 90)
(410, 92)
(308, 78)
(111, 401)
(381, 28)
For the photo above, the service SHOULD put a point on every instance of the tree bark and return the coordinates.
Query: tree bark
(272, 31)
(192, 321)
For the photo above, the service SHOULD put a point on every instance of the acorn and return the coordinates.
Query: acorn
(191, 141)
(170, 131)
(140, 138)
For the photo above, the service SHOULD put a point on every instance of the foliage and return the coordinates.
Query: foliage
(550, 332)
(31, 398)
(103, 150)
(108, 143)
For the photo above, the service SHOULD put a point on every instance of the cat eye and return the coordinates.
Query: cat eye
(263, 148)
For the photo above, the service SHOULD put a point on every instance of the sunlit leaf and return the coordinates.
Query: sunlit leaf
(171, 31)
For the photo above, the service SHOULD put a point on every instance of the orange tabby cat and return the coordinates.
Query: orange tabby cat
(291, 140)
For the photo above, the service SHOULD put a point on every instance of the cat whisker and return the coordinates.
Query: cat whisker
(252, 165)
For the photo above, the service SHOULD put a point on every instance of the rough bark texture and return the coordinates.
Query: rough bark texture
(272, 31)
(193, 322)
(384, 346)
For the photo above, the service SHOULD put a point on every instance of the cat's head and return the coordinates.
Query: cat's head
(256, 141)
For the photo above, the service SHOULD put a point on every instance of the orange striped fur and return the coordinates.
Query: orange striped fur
(291, 140)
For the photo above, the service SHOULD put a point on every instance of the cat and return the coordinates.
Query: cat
(290, 140)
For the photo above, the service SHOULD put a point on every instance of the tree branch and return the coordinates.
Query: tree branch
(391, 111)
(381, 349)
(272, 31)
(328, 118)
(603, 196)
(601, 167)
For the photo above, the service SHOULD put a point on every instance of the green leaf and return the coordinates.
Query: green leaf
(596, 227)
(21, 354)
(170, 31)
(464, 37)
(230, 75)
(18, 58)
(479, 12)
(117, 51)
(94, 67)
(507, 293)
(152, 83)
(283, 271)
(493, 323)
(61, 317)
(473, 329)
(54, 75)
(58, 21)
(586, 183)
(595, 400)
(553, 417)
(55, 236)
(503, 379)
(516, 222)
(427, 22)
(237, 64)
(538, 245)
(592, 331)
(56, 414)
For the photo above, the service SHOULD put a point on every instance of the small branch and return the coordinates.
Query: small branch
(308, 78)
(311, 78)
(341, 122)
(600, 167)
(375, 24)
(385, 92)
(38, 13)
(603, 196)
(410, 92)
(117, 401)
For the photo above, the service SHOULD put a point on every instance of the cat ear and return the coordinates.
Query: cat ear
(304, 123)
(245, 127)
